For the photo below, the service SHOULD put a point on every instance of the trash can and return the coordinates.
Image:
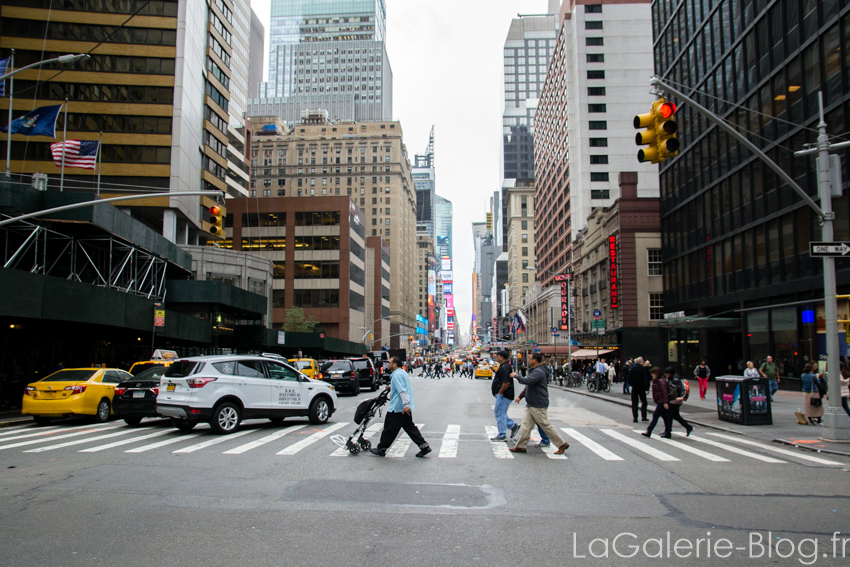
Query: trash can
(744, 400)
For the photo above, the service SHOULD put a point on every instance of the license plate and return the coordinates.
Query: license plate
(49, 394)
(138, 394)
(170, 388)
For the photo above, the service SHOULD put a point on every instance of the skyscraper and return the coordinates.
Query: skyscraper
(328, 54)
(424, 179)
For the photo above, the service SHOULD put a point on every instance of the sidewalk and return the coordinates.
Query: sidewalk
(784, 430)
(12, 417)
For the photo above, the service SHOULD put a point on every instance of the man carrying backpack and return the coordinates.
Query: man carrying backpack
(661, 396)
(677, 397)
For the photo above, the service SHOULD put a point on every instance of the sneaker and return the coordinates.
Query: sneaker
(504, 439)
(542, 444)
(514, 430)
(378, 452)
(690, 430)
(423, 451)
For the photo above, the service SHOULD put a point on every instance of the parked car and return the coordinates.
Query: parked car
(224, 390)
(307, 366)
(136, 398)
(341, 374)
(367, 372)
(159, 358)
(73, 391)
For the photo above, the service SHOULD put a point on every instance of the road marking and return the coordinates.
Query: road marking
(78, 442)
(400, 445)
(689, 449)
(17, 429)
(294, 448)
(368, 434)
(262, 440)
(639, 445)
(500, 448)
(591, 444)
(56, 438)
(162, 443)
(777, 450)
(42, 432)
(28, 435)
(214, 441)
(550, 451)
(451, 440)
(731, 449)
(124, 442)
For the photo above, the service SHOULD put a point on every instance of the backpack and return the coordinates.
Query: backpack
(687, 389)
(672, 390)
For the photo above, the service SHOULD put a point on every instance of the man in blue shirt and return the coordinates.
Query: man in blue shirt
(400, 413)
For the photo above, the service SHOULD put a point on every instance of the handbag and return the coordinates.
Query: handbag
(815, 402)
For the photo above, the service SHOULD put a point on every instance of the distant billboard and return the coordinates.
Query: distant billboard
(447, 276)
(447, 288)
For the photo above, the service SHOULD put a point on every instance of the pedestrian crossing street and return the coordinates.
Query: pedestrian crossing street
(615, 445)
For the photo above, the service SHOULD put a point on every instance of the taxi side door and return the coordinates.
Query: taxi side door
(290, 395)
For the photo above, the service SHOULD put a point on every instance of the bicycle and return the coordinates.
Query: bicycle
(574, 380)
(598, 382)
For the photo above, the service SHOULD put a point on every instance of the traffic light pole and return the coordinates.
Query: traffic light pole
(835, 426)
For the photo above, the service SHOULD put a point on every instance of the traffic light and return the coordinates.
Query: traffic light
(215, 219)
(659, 132)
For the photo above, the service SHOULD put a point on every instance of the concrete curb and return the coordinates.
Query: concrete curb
(15, 421)
(812, 449)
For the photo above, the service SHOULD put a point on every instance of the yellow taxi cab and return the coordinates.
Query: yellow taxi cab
(73, 391)
(483, 370)
(307, 366)
(159, 358)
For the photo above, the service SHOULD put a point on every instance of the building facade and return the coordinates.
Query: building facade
(582, 139)
(520, 243)
(739, 282)
(367, 163)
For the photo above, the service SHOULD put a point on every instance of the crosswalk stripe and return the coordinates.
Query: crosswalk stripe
(15, 430)
(169, 441)
(41, 431)
(500, 448)
(124, 442)
(368, 434)
(400, 445)
(216, 439)
(731, 449)
(591, 444)
(78, 442)
(54, 438)
(37, 434)
(295, 447)
(451, 440)
(640, 446)
(692, 450)
(777, 450)
(550, 451)
(262, 440)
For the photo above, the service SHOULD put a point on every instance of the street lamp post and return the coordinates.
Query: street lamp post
(569, 314)
(64, 59)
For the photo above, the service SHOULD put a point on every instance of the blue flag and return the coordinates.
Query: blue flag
(4, 65)
(38, 122)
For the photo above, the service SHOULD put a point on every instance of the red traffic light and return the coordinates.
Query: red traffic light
(215, 210)
(667, 110)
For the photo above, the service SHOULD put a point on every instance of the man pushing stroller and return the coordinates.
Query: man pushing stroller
(400, 413)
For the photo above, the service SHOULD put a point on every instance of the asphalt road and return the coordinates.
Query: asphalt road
(77, 494)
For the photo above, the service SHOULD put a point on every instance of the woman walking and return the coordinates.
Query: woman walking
(812, 402)
(661, 397)
(702, 373)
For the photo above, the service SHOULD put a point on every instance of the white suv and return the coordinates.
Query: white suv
(224, 390)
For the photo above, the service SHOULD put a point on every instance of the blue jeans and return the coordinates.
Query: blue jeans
(544, 439)
(774, 387)
(503, 422)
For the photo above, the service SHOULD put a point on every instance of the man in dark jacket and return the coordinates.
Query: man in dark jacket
(536, 411)
(639, 382)
(502, 388)
(661, 396)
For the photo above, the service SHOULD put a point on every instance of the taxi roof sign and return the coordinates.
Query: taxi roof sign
(160, 354)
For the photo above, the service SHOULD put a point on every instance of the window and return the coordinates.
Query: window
(593, 41)
(598, 125)
(250, 368)
(593, 25)
(598, 74)
(599, 194)
(599, 176)
(595, 91)
(598, 160)
(654, 262)
(525, 250)
(593, 9)
(525, 238)
(597, 108)
(524, 278)
(598, 142)
(524, 264)
(278, 371)
(524, 225)
(656, 306)
(595, 58)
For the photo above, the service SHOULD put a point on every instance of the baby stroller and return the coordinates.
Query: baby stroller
(364, 413)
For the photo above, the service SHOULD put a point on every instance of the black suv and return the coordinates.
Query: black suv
(369, 377)
(340, 374)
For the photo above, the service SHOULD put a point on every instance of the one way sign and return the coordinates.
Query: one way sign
(822, 249)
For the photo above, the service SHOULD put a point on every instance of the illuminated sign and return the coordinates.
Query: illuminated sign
(563, 280)
(447, 288)
(450, 312)
(612, 272)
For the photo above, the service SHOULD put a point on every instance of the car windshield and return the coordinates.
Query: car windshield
(337, 366)
(302, 364)
(153, 372)
(70, 376)
(182, 368)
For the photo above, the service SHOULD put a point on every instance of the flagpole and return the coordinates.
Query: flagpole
(64, 134)
(9, 125)
(99, 161)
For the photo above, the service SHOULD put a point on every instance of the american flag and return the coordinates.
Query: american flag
(77, 153)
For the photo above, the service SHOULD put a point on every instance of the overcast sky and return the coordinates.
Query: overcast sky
(446, 57)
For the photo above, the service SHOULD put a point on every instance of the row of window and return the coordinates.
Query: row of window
(100, 63)
(69, 31)
(217, 121)
(167, 8)
(307, 298)
(98, 93)
(119, 123)
(217, 97)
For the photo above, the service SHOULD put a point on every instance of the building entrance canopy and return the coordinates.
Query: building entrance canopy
(591, 353)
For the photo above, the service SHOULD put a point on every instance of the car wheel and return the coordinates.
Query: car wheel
(374, 385)
(102, 415)
(355, 387)
(133, 421)
(320, 411)
(182, 424)
(276, 420)
(41, 420)
(226, 418)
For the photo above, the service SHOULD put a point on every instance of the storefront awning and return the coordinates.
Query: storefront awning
(591, 353)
